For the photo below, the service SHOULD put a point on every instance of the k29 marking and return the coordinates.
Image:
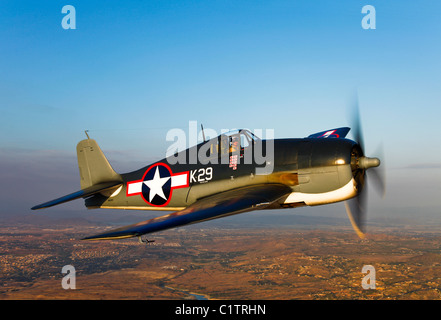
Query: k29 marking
(202, 175)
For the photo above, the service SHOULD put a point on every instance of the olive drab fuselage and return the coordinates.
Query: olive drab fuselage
(310, 167)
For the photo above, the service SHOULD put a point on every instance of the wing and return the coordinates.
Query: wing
(83, 193)
(212, 207)
(333, 133)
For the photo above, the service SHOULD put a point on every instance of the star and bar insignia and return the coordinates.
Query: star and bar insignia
(157, 185)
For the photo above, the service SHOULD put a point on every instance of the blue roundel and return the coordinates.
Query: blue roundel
(156, 186)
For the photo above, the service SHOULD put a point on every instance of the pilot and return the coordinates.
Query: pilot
(224, 144)
(234, 145)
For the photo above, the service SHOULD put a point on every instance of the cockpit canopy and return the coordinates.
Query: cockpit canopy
(243, 136)
(234, 141)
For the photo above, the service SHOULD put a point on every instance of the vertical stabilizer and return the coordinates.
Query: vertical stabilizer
(93, 165)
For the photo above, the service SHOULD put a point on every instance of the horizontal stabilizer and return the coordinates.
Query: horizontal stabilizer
(212, 207)
(83, 193)
(333, 133)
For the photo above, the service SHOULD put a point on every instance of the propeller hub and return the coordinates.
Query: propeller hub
(366, 162)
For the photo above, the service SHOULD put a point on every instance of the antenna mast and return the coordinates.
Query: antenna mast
(203, 134)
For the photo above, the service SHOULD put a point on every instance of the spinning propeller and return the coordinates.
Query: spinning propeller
(360, 164)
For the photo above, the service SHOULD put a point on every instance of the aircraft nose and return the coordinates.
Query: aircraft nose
(366, 162)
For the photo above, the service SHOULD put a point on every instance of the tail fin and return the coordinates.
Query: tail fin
(95, 171)
(93, 165)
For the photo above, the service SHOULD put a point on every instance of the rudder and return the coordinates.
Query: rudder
(93, 165)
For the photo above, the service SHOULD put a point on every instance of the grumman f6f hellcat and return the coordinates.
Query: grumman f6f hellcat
(320, 169)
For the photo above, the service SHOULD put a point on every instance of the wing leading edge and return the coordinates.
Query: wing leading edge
(83, 193)
(212, 207)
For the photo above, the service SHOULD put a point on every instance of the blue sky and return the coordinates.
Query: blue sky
(131, 70)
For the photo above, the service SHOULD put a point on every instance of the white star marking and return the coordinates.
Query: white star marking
(155, 185)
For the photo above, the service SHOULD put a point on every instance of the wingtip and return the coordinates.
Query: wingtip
(108, 237)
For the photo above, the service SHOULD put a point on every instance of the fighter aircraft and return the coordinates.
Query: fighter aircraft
(320, 169)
